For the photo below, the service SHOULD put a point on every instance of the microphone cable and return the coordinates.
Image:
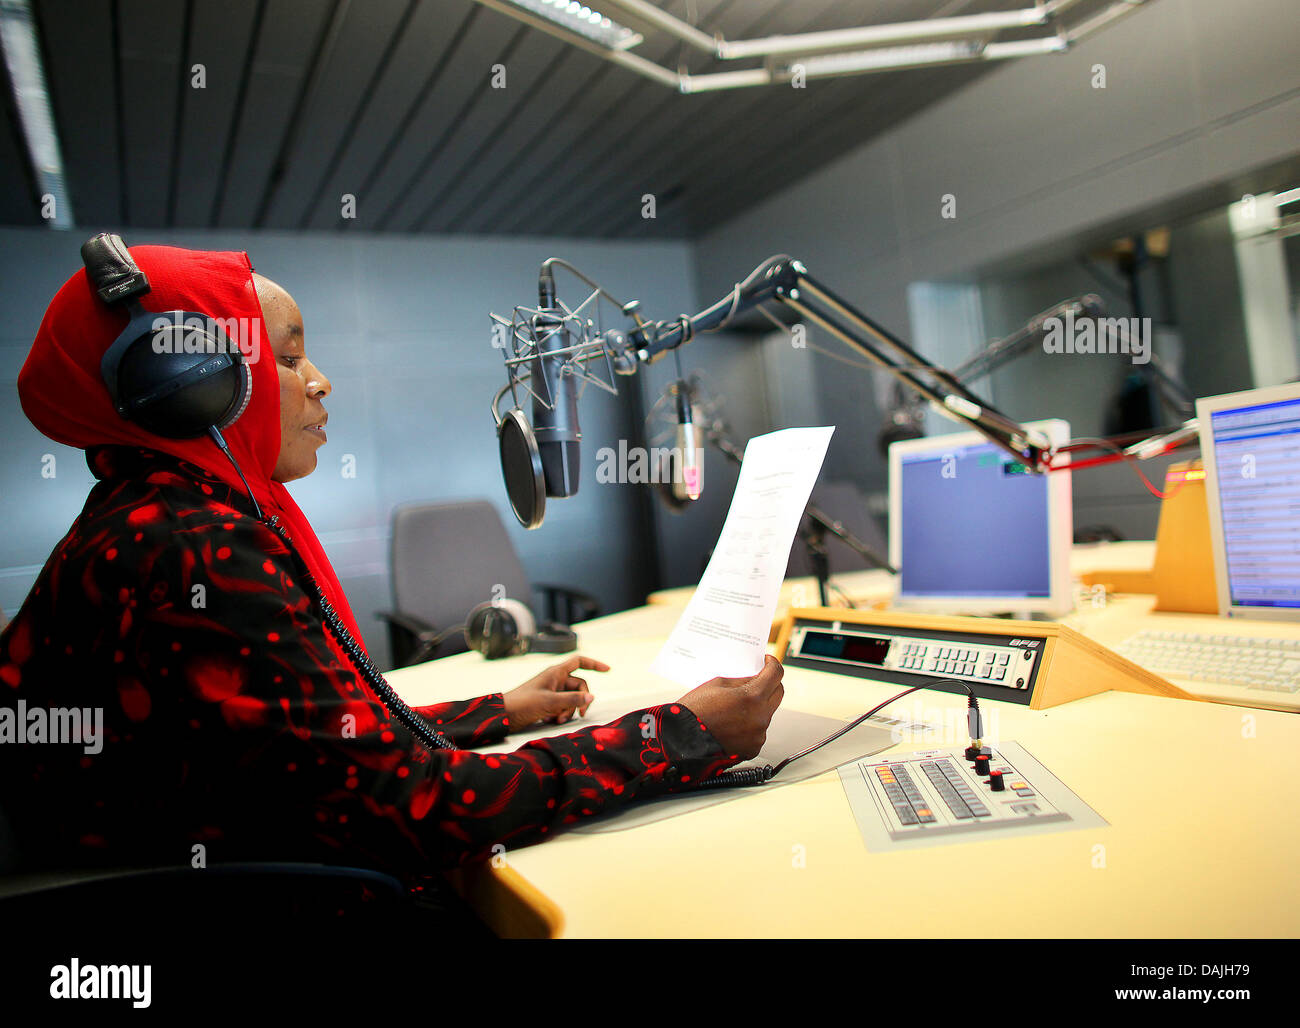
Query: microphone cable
(765, 773)
(366, 667)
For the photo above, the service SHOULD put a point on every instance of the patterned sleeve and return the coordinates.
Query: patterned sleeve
(285, 747)
(469, 723)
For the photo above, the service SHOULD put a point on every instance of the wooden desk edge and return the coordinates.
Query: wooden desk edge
(507, 902)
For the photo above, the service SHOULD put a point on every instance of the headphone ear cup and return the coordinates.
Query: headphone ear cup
(179, 379)
(241, 400)
(500, 628)
(554, 638)
(525, 623)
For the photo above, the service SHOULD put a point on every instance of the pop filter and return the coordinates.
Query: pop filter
(521, 467)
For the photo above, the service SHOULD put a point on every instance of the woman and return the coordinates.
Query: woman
(232, 719)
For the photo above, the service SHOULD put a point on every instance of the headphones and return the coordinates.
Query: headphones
(174, 373)
(505, 628)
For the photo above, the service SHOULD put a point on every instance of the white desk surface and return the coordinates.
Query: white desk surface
(1201, 801)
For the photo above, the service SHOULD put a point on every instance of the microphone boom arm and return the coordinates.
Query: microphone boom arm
(532, 334)
(787, 280)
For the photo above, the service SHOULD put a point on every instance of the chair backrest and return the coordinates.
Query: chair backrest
(447, 558)
(842, 502)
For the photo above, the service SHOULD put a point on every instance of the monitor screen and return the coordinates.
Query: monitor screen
(1257, 457)
(974, 523)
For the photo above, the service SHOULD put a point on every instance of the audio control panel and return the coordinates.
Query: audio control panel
(1006, 666)
(943, 795)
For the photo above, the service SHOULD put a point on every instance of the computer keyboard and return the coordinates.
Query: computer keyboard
(1269, 665)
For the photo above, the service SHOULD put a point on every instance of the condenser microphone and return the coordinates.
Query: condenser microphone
(688, 477)
(555, 400)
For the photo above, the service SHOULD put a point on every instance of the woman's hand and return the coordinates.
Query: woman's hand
(738, 710)
(553, 696)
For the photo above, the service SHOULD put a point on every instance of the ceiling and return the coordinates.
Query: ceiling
(391, 101)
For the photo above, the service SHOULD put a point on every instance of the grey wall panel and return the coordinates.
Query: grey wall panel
(1037, 159)
(1206, 294)
(1244, 54)
(35, 510)
(400, 326)
(1039, 122)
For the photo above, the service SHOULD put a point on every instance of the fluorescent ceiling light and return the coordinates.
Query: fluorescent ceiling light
(583, 20)
(887, 57)
(32, 98)
(1024, 48)
(876, 35)
(822, 54)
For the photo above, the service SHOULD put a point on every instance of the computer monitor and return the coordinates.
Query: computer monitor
(1250, 446)
(972, 531)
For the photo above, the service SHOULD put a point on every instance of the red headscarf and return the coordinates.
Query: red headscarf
(64, 395)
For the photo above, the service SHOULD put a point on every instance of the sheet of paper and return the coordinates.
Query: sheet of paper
(723, 631)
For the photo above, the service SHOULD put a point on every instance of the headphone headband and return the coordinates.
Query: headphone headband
(112, 270)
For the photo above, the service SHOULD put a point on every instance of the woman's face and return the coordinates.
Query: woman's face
(302, 386)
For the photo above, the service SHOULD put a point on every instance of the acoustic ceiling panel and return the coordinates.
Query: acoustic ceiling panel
(268, 113)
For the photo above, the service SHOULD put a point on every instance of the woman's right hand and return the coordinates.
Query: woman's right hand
(738, 710)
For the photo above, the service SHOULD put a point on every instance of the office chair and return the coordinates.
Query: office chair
(446, 559)
(155, 902)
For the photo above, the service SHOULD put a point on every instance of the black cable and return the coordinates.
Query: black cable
(765, 773)
(429, 647)
(442, 637)
(220, 440)
(847, 598)
(1130, 460)
(365, 666)
(436, 740)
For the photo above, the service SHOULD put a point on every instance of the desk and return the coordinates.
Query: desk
(1200, 800)
(868, 588)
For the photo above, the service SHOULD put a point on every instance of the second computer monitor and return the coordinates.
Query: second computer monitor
(1250, 445)
(973, 531)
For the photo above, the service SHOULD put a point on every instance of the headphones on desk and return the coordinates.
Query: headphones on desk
(176, 374)
(506, 628)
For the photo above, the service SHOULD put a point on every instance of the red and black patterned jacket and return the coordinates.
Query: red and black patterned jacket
(228, 721)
